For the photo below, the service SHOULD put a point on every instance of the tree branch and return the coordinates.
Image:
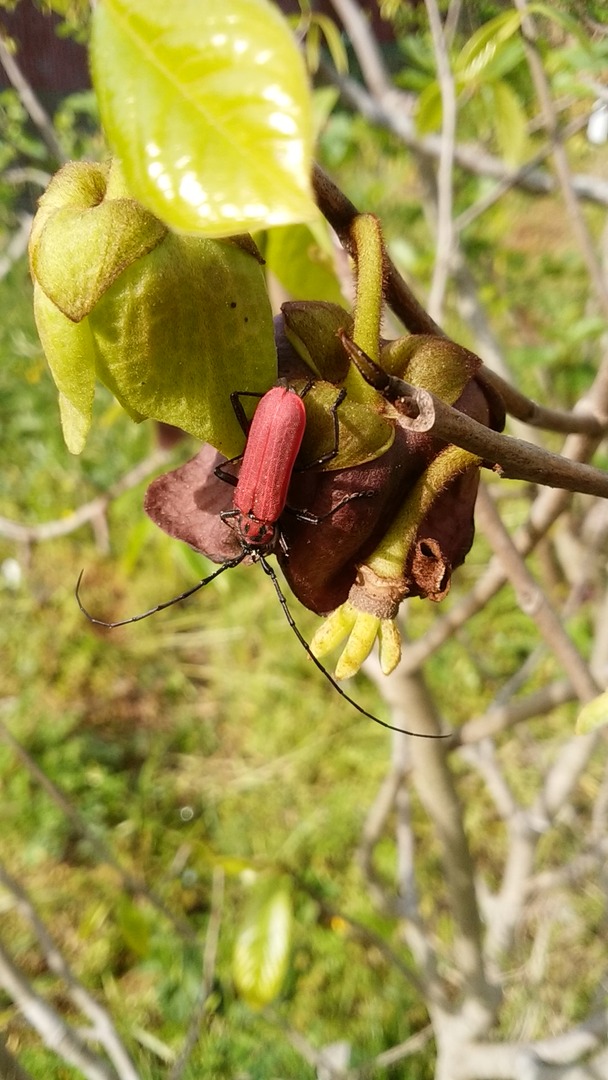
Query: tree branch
(103, 1029)
(30, 102)
(394, 113)
(86, 513)
(444, 241)
(532, 599)
(52, 1028)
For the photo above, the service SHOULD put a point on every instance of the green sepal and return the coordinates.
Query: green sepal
(179, 331)
(363, 434)
(70, 354)
(431, 363)
(170, 324)
(312, 328)
(80, 254)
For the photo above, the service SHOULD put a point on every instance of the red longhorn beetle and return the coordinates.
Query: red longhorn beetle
(274, 437)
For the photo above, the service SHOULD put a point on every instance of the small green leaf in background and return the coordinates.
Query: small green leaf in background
(208, 106)
(510, 122)
(261, 952)
(429, 109)
(322, 27)
(593, 715)
(134, 925)
(302, 260)
(482, 46)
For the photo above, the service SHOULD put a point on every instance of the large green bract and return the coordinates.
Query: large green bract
(208, 106)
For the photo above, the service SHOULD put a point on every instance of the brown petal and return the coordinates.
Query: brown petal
(186, 503)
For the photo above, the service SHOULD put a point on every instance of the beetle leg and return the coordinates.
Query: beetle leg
(316, 519)
(334, 450)
(227, 477)
(239, 412)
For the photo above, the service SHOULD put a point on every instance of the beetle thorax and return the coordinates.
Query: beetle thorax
(254, 533)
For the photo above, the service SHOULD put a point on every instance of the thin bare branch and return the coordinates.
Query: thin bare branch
(490, 198)
(394, 112)
(27, 174)
(564, 774)
(500, 718)
(17, 245)
(88, 512)
(444, 241)
(563, 1057)
(513, 459)
(560, 158)
(532, 599)
(30, 102)
(103, 1028)
(403, 1050)
(530, 412)
(360, 36)
(58, 1035)
(409, 697)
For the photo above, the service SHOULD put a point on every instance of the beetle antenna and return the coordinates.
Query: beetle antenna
(303, 642)
(159, 607)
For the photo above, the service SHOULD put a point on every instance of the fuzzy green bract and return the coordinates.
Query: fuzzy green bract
(170, 324)
(209, 108)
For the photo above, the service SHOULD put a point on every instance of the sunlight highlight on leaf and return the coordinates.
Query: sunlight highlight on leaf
(209, 109)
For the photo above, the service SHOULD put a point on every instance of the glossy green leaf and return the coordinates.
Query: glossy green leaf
(483, 45)
(593, 715)
(261, 952)
(208, 106)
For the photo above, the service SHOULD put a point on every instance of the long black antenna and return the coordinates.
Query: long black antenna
(228, 565)
(303, 642)
(159, 607)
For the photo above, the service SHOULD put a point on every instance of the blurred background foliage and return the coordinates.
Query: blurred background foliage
(202, 742)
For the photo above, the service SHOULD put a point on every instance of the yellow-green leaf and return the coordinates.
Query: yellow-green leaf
(593, 715)
(482, 46)
(510, 122)
(429, 109)
(261, 952)
(208, 106)
(301, 258)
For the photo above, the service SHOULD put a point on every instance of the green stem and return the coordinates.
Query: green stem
(389, 558)
(368, 249)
